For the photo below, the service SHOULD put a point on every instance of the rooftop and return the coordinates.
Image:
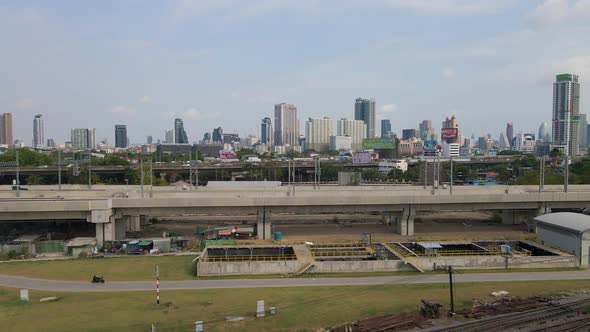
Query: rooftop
(567, 220)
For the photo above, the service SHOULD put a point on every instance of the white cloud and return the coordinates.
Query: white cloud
(194, 114)
(25, 103)
(451, 7)
(388, 109)
(146, 99)
(449, 72)
(122, 110)
(553, 12)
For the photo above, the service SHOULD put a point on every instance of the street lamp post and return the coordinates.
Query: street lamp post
(59, 168)
(17, 175)
(451, 185)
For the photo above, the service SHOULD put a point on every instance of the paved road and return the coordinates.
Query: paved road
(77, 286)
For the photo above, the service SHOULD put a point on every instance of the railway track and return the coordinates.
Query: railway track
(577, 324)
(519, 319)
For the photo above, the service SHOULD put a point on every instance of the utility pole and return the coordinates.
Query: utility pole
(289, 174)
(319, 173)
(157, 284)
(141, 174)
(90, 169)
(59, 168)
(567, 172)
(315, 173)
(541, 173)
(294, 178)
(425, 171)
(197, 174)
(451, 185)
(452, 294)
(151, 178)
(17, 175)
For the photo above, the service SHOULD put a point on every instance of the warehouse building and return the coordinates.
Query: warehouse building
(566, 231)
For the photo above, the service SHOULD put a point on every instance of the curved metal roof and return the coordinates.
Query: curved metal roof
(577, 222)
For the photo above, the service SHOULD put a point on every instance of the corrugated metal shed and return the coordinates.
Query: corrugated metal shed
(570, 221)
(429, 245)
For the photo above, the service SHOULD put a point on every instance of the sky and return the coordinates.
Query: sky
(227, 62)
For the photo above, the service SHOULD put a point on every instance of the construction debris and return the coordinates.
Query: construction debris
(49, 299)
(430, 309)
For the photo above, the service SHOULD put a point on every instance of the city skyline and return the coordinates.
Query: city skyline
(505, 38)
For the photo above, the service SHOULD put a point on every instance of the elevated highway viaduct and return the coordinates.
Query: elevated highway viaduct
(114, 211)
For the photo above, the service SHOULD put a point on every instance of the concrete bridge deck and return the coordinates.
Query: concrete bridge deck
(114, 208)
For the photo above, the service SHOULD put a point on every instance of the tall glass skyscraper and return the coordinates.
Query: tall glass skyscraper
(364, 109)
(38, 132)
(565, 129)
(266, 133)
(120, 136)
(385, 128)
(179, 133)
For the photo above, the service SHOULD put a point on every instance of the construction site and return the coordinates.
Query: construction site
(369, 256)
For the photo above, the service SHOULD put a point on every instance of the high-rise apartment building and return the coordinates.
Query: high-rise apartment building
(364, 109)
(565, 129)
(120, 136)
(179, 132)
(426, 130)
(385, 128)
(218, 135)
(286, 130)
(83, 138)
(510, 133)
(38, 132)
(266, 133)
(583, 132)
(356, 129)
(169, 137)
(6, 129)
(318, 132)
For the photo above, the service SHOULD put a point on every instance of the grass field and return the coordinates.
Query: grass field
(298, 308)
(113, 269)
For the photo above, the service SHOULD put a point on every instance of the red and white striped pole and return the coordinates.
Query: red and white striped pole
(157, 285)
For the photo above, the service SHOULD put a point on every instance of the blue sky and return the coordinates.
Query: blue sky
(227, 62)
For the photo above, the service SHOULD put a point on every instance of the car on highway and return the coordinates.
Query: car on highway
(19, 188)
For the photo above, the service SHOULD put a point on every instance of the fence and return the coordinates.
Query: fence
(50, 246)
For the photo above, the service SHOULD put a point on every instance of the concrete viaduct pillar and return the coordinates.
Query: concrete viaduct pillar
(108, 228)
(133, 223)
(517, 217)
(263, 224)
(403, 221)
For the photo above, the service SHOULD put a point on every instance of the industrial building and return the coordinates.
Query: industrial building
(566, 231)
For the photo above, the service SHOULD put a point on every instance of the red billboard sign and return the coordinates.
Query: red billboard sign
(449, 133)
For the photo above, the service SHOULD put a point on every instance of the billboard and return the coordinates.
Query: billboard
(430, 145)
(379, 143)
(449, 133)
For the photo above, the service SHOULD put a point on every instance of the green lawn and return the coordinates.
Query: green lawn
(299, 308)
(113, 269)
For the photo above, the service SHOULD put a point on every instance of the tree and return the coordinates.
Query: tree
(293, 154)
(244, 152)
(372, 175)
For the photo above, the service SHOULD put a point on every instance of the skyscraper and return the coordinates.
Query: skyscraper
(266, 133)
(583, 132)
(364, 109)
(286, 125)
(169, 137)
(385, 128)
(565, 129)
(218, 135)
(450, 124)
(150, 139)
(408, 134)
(510, 132)
(318, 132)
(120, 136)
(6, 129)
(179, 133)
(503, 142)
(38, 133)
(544, 134)
(426, 130)
(356, 129)
(83, 138)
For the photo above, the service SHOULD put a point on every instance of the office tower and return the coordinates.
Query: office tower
(207, 138)
(583, 132)
(218, 135)
(426, 130)
(120, 136)
(179, 133)
(266, 133)
(286, 131)
(566, 111)
(230, 138)
(356, 129)
(385, 128)
(450, 130)
(544, 134)
(408, 134)
(150, 139)
(510, 132)
(364, 109)
(503, 142)
(38, 133)
(50, 143)
(83, 138)
(6, 129)
(169, 137)
(318, 132)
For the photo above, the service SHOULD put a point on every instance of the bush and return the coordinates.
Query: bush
(83, 254)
